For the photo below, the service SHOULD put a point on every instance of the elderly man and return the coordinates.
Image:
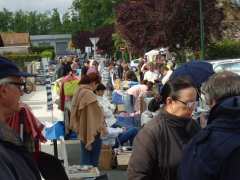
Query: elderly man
(16, 162)
(214, 153)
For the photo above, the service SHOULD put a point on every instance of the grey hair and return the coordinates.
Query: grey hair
(221, 86)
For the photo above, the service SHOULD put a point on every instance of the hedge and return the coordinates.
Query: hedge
(19, 59)
(47, 54)
(39, 49)
(225, 49)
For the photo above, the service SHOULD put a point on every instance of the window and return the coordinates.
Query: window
(234, 67)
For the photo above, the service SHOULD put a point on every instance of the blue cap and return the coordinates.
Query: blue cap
(8, 68)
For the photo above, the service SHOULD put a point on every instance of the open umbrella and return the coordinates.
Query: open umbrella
(198, 71)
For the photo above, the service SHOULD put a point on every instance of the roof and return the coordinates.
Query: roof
(15, 39)
(51, 37)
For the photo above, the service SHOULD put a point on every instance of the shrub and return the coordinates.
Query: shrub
(39, 49)
(47, 54)
(19, 59)
(226, 49)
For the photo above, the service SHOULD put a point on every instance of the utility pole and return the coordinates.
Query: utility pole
(202, 34)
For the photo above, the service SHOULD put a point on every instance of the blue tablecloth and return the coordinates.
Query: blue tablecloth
(117, 98)
(56, 131)
(128, 121)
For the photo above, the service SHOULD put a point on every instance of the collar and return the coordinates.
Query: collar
(173, 120)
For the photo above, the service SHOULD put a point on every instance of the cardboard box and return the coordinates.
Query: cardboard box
(106, 156)
(120, 108)
(123, 158)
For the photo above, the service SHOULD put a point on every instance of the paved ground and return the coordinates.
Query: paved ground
(37, 100)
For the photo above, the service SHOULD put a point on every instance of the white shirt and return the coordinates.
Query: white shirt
(166, 77)
(151, 76)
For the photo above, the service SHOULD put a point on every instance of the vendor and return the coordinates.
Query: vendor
(116, 136)
(138, 91)
(151, 75)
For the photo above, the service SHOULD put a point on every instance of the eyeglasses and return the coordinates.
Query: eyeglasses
(20, 85)
(190, 105)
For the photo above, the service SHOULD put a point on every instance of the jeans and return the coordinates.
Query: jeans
(91, 157)
(128, 135)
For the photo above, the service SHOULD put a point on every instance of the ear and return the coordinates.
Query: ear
(169, 101)
(3, 91)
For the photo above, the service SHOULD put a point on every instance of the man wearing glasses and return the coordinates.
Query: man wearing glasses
(15, 161)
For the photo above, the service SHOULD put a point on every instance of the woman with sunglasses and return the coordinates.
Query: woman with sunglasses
(158, 147)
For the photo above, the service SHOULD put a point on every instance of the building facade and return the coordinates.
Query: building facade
(58, 41)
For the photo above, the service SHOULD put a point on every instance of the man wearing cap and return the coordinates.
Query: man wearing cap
(16, 163)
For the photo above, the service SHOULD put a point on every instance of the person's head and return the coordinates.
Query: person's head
(11, 88)
(149, 85)
(91, 79)
(151, 66)
(69, 59)
(125, 67)
(130, 76)
(179, 97)
(163, 69)
(100, 89)
(87, 63)
(95, 64)
(220, 86)
(111, 65)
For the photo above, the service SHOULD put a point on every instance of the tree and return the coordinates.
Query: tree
(44, 23)
(6, 20)
(81, 39)
(94, 14)
(105, 39)
(20, 22)
(56, 25)
(32, 23)
(67, 24)
(147, 24)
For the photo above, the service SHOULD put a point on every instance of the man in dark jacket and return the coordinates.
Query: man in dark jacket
(214, 153)
(16, 162)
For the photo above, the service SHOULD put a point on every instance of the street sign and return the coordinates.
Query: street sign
(94, 41)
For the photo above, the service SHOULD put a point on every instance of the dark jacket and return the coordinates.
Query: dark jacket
(158, 147)
(214, 154)
(16, 163)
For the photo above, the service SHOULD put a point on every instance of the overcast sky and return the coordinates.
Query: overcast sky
(39, 5)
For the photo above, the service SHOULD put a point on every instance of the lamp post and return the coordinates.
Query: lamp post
(202, 35)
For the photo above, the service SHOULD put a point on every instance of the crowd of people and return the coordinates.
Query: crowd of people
(170, 145)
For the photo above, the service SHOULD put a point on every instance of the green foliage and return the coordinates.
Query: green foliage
(39, 23)
(94, 14)
(39, 49)
(47, 54)
(19, 59)
(56, 25)
(226, 49)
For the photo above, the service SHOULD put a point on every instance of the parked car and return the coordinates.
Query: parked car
(134, 64)
(227, 65)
